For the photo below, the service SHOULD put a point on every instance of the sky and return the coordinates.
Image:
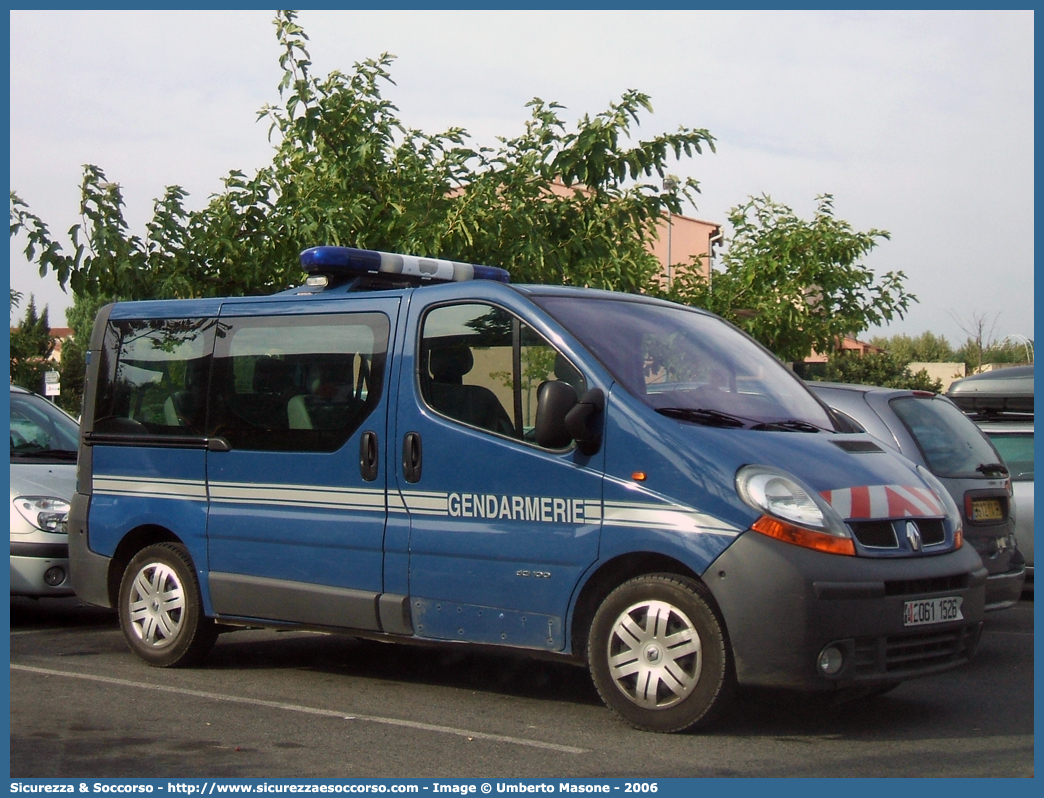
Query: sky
(918, 123)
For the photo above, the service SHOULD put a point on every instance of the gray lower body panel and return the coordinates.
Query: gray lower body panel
(783, 603)
(89, 572)
(293, 602)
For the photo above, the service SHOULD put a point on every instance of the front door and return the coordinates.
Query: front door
(298, 501)
(500, 528)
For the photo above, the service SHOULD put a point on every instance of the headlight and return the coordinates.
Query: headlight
(44, 512)
(780, 495)
(952, 512)
(792, 512)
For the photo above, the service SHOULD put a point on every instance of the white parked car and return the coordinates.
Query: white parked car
(1014, 441)
(44, 440)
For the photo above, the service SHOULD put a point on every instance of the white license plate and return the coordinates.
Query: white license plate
(937, 610)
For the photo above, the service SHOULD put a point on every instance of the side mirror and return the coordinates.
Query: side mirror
(562, 418)
(554, 402)
(581, 422)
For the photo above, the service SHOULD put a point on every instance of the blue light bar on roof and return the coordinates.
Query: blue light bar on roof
(350, 262)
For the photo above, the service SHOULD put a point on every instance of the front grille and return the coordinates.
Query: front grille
(882, 534)
(932, 532)
(938, 584)
(908, 655)
(875, 534)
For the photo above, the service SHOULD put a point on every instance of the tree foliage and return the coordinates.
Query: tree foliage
(924, 348)
(549, 205)
(875, 368)
(31, 348)
(552, 205)
(796, 285)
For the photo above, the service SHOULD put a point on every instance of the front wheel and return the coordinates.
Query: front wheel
(161, 609)
(658, 654)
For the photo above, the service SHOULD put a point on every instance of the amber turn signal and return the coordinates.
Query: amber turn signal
(799, 536)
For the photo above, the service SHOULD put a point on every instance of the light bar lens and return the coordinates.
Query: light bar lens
(350, 261)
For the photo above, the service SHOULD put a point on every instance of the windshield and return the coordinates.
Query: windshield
(951, 444)
(41, 430)
(689, 365)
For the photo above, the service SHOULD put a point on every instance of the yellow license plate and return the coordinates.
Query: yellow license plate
(987, 510)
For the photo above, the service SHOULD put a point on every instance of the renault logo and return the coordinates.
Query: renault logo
(913, 534)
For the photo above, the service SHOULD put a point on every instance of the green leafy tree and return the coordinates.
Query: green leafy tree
(80, 318)
(796, 285)
(924, 348)
(549, 205)
(975, 356)
(875, 368)
(31, 348)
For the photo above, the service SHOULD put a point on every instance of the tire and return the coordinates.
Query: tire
(658, 654)
(161, 609)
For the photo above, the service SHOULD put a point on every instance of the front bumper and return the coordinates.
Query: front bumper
(33, 556)
(782, 604)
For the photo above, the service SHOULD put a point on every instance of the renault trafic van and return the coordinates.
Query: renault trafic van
(413, 449)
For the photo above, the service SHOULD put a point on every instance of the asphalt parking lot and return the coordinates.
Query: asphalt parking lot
(292, 704)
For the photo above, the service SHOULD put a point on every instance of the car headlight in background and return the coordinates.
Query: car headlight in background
(792, 512)
(47, 513)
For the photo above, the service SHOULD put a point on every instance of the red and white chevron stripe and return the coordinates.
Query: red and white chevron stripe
(884, 501)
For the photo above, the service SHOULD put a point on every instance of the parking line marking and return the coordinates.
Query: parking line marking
(329, 713)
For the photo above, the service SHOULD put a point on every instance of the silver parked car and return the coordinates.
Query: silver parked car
(933, 432)
(1014, 441)
(43, 477)
(1001, 403)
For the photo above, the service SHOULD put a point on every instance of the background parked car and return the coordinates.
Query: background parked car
(43, 476)
(993, 393)
(1001, 402)
(933, 432)
(1014, 441)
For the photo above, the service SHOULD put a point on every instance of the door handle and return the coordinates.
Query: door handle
(411, 457)
(368, 456)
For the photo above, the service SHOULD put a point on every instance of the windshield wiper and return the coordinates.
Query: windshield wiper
(712, 418)
(790, 425)
(990, 468)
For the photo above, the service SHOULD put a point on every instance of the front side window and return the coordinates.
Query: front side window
(688, 364)
(152, 378)
(40, 432)
(951, 443)
(482, 366)
(296, 383)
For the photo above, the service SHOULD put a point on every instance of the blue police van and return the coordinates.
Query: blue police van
(414, 449)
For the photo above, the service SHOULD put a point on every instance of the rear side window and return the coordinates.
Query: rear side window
(296, 383)
(1017, 450)
(951, 444)
(152, 378)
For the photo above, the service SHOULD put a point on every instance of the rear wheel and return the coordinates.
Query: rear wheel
(658, 654)
(161, 609)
